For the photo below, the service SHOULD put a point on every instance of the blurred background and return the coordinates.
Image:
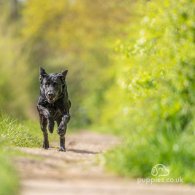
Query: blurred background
(131, 72)
(77, 35)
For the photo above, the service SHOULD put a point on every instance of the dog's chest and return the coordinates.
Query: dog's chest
(55, 111)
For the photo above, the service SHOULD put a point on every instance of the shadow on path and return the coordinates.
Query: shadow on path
(82, 151)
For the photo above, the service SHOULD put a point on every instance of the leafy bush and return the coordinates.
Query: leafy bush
(142, 152)
(157, 83)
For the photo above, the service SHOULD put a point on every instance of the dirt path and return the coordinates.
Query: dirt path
(80, 171)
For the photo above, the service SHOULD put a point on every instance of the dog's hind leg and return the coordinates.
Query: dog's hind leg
(43, 123)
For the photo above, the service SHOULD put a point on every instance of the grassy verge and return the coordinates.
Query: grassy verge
(21, 134)
(12, 134)
(9, 181)
(17, 134)
(142, 151)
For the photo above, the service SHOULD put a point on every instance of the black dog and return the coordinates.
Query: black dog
(53, 105)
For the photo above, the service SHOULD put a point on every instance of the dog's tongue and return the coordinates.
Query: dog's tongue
(50, 100)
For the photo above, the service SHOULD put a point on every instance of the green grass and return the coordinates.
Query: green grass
(142, 151)
(9, 180)
(14, 133)
(17, 134)
(23, 133)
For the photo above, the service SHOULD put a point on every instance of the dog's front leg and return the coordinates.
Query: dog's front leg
(43, 123)
(62, 126)
(44, 115)
(44, 111)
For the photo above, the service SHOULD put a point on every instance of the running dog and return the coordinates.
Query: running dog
(53, 105)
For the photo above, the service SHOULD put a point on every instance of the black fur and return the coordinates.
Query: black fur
(53, 105)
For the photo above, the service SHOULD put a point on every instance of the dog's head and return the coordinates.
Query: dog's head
(52, 85)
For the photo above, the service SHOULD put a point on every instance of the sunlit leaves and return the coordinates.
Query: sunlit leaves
(157, 64)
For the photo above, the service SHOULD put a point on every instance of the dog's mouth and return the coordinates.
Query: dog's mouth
(51, 98)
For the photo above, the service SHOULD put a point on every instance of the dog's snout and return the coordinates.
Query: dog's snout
(50, 95)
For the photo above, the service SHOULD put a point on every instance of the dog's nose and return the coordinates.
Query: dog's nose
(50, 95)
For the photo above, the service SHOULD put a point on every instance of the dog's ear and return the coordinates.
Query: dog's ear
(64, 73)
(42, 73)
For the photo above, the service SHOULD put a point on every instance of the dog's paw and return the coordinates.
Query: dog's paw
(62, 149)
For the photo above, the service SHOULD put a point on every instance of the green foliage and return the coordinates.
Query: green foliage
(16, 134)
(158, 67)
(13, 134)
(142, 152)
(144, 90)
(76, 35)
(8, 177)
(13, 75)
(157, 86)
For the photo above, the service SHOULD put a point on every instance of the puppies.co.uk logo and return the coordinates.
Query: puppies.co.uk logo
(160, 174)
